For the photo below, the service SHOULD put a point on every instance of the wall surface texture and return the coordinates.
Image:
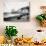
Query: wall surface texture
(25, 28)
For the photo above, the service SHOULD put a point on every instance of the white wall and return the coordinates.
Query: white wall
(25, 28)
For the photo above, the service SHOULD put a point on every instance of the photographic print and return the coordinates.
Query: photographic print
(16, 11)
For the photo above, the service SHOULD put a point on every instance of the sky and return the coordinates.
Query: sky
(12, 4)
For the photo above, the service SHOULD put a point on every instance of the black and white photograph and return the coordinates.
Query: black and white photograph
(16, 11)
